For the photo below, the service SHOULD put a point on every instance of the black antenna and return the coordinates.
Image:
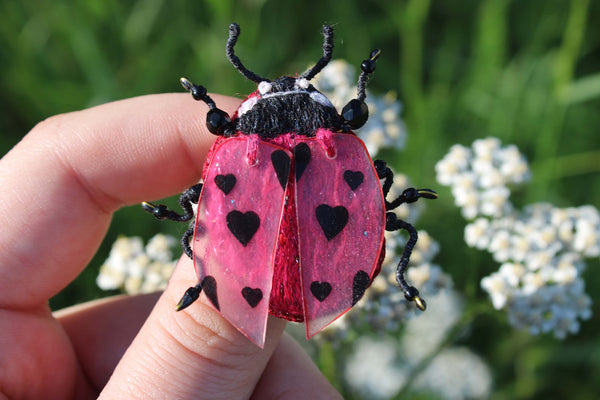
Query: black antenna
(356, 113)
(367, 67)
(234, 33)
(327, 52)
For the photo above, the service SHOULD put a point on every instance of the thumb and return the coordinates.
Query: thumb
(191, 354)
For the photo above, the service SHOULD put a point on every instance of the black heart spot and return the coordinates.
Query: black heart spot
(359, 286)
(252, 296)
(209, 285)
(353, 178)
(225, 182)
(302, 158)
(243, 225)
(320, 290)
(281, 163)
(332, 219)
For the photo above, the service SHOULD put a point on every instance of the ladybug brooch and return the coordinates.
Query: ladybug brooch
(291, 212)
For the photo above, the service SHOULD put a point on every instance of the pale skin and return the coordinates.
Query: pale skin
(59, 187)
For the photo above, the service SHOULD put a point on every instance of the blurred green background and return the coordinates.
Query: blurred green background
(527, 72)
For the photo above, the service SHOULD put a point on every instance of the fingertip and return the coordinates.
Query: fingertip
(194, 353)
(201, 322)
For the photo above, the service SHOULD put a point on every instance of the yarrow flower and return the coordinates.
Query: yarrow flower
(539, 281)
(379, 368)
(479, 176)
(541, 248)
(384, 128)
(456, 374)
(374, 368)
(137, 269)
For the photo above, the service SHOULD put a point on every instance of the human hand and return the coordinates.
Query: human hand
(59, 188)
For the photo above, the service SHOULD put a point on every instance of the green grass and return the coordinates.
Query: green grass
(527, 72)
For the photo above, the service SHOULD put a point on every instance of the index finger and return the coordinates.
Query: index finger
(62, 182)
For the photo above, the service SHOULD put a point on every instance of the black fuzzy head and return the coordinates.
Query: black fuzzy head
(286, 105)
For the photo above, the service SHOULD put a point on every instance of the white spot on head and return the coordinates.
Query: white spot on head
(247, 105)
(302, 83)
(264, 87)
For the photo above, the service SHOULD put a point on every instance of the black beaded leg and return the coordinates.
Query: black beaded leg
(410, 292)
(186, 199)
(185, 241)
(190, 296)
(409, 195)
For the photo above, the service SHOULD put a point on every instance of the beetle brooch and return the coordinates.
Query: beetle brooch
(291, 212)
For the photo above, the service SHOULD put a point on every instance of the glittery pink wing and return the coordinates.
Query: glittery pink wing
(341, 220)
(236, 231)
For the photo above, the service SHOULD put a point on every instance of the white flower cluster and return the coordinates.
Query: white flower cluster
(541, 249)
(373, 368)
(457, 374)
(384, 128)
(479, 176)
(379, 368)
(542, 253)
(137, 269)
